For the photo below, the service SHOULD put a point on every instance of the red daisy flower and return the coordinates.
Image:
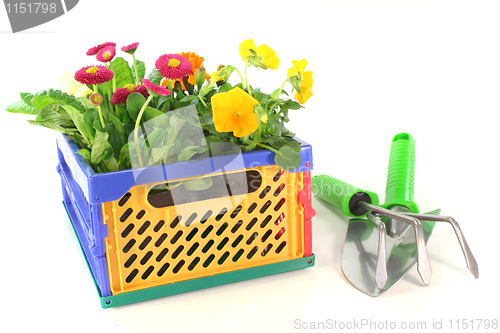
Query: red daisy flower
(93, 51)
(121, 94)
(153, 88)
(95, 99)
(173, 66)
(142, 90)
(106, 54)
(94, 75)
(130, 49)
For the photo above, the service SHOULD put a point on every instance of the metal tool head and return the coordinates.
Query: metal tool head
(359, 255)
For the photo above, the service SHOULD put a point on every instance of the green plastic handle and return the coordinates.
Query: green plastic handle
(401, 174)
(342, 195)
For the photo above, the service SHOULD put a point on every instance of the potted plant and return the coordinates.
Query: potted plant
(179, 180)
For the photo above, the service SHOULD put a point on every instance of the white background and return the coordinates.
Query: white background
(429, 68)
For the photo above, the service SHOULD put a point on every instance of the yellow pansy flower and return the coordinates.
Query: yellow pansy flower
(233, 111)
(305, 88)
(305, 82)
(216, 76)
(298, 67)
(267, 54)
(70, 86)
(83, 91)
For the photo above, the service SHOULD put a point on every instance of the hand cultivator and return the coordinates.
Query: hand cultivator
(383, 242)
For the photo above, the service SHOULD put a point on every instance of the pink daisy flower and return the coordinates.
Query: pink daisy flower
(130, 49)
(93, 51)
(95, 99)
(155, 89)
(94, 75)
(173, 66)
(106, 54)
(121, 94)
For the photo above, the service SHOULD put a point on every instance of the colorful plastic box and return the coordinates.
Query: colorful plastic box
(138, 250)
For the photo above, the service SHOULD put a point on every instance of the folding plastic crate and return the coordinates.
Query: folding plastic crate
(140, 247)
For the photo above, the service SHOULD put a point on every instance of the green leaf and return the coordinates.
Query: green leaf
(99, 147)
(85, 102)
(51, 115)
(290, 105)
(208, 118)
(141, 69)
(156, 138)
(157, 118)
(176, 123)
(78, 120)
(53, 126)
(294, 144)
(261, 97)
(276, 93)
(118, 125)
(287, 158)
(273, 126)
(155, 76)
(125, 155)
(278, 142)
(189, 98)
(121, 112)
(189, 152)
(189, 143)
(176, 147)
(275, 141)
(157, 154)
(226, 87)
(26, 98)
(80, 142)
(22, 107)
(135, 101)
(162, 100)
(85, 153)
(89, 117)
(198, 184)
(48, 97)
(115, 140)
(97, 125)
(128, 128)
(111, 163)
(122, 72)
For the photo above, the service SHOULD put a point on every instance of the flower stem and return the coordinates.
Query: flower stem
(241, 76)
(246, 79)
(110, 94)
(136, 71)
(202, 101)
(171, 88)
(136, 130)
(114, 80)
(99, 109)
(281, 89)
(268, 147)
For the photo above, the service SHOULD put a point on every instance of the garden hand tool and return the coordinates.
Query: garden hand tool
(364, 260)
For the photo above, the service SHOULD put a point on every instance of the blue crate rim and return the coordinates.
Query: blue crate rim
(96, 186)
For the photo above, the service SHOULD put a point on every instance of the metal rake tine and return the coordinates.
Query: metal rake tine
(423, 264)
(381, 267)
(469, 258)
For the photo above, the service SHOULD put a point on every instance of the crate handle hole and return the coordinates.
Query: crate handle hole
(219, 186)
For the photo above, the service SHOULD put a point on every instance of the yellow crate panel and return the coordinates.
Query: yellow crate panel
(148, 246)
